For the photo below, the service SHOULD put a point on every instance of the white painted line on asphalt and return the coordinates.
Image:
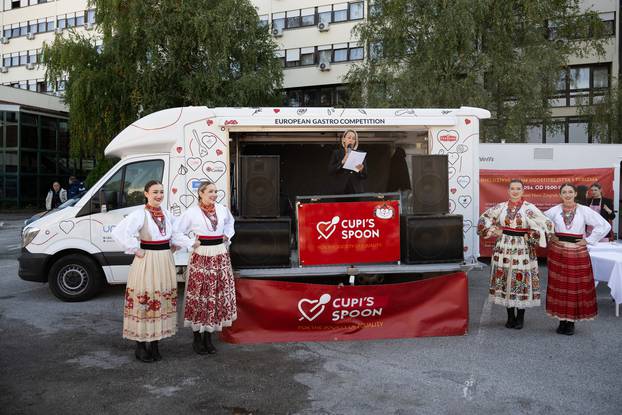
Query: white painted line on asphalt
(470, 385)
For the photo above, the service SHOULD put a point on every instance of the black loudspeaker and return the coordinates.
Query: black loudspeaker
(261, 243)
(430, 184)
(259, 190)
(432, 238)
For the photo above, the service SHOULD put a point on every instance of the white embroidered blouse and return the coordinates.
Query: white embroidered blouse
(194, 220)
(528, 216)
(583, 216)
(126, 233)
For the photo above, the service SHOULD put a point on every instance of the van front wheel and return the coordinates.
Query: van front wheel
(75, 278)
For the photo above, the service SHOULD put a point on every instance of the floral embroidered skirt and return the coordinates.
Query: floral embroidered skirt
(150, 311)
(514, 278)
(571, 292)
(210, 290)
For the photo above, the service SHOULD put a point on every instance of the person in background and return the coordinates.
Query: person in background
(150, 311)
(56, 196)
(571, 294)
(347, 181)
(76, 187)
(518, 227)
(581, 195)
(601, 205)
(210, 301)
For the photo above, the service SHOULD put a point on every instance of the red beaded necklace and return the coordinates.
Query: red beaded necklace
(568, 214)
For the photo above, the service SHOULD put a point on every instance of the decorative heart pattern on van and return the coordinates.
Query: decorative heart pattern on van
(462, 148)
(218, 152)
(186, 200)
(210, 122)
(208, 139)
(174, 190)
(66, 226)
(463, 181)
(451, 170)
(467, 225)
(452, 206)
(179, 149)
(467, 121)
(447, 138)
(453, 190)
(214, 170)
(453, 157)
(465, 200)
(194, 163)
(220, 195)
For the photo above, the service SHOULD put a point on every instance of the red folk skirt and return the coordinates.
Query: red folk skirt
(571, 292)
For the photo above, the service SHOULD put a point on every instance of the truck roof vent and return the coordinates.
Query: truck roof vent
(543, 153)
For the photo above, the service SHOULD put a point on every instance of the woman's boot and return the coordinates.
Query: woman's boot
(142, 354)
(511, 318)
(197, 344)
(520, 318)
(207, 343)
(155, 351)
(569, 328)
(561, 329)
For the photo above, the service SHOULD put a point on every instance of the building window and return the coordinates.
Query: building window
(356, 52)
(325, 96)
(340, 12)
(292, 58)
(356, 10)
(90, 17)
(581, 84)
(278, 21)
(325, 14)
(340, 52)
(293, 19)
(307, 17)
(307, 56)
(263, 21)
(609, 20)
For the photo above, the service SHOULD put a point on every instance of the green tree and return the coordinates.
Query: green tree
(605, 115)
(505, 56)
(156, 54)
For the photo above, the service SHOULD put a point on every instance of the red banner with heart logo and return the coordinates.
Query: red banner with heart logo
(348, 232)
(276, 311)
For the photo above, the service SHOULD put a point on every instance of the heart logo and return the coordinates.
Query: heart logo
(66, 226)
(453, 190)
(218, 152)
(447, 138)
(208, 139)
(463, 181)
(451, 170)
(276, 110)
(174, 190)
(311, 309)
(466, 248)
(220, 195)
(465, 201)
(301, 111)
(210, 122)
(186, 200)
(452, 206)
(214, 170)
(182, 170)
(194, 163)
(453, 157)
(179, 148)
(326, 229)
(203, 152)
(462, 148)
(194, 183)
(466, 225)
(467, 121)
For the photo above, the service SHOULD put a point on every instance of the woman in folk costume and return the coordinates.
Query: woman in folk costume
(518, 225)
(571, 294)
(151, 293)
(210, 291)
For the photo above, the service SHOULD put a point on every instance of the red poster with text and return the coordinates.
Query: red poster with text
(276, 311)
(541, 189)
(348, 232)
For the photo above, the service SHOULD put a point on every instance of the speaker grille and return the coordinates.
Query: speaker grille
(437, 238)
(261, 243)
(259, 186)
(430, 184)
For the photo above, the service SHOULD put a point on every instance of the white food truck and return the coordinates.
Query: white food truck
(72, 248)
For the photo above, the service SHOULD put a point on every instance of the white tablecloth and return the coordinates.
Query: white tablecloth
(607, 265)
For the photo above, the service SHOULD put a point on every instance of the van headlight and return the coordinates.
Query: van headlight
(28, 235)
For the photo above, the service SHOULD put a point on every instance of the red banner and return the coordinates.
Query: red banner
(541, 188)
(348, 232)
(274, 311)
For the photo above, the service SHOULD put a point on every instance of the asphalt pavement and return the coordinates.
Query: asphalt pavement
(69, 358)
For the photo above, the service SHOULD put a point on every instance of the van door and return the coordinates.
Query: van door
(119, 196)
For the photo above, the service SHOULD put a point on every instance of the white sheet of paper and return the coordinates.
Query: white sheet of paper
(354, 159)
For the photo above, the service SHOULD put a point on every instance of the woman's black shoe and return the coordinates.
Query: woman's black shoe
(520, 318)
(142, 354)
(207, 343)
(569, 328)
(155, 351)
(562, 327)
(197, 344)
(511, 318)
